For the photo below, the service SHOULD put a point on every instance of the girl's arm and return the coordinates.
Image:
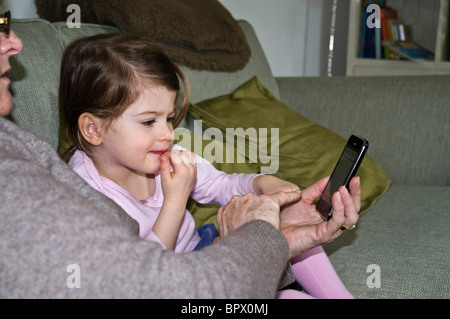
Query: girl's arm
(215, 186)
(268, 184)
(177, 186)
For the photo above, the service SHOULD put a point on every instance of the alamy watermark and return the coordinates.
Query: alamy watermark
(74, 19)
(374, 19)
(374, 279)
(74, 279)
(235, 146)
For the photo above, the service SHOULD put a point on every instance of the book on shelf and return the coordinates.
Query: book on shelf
(387, 17)
(408, 50)
(372, 38)
(392, 41)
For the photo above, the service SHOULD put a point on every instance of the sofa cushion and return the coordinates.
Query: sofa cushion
(406, 236)
(200, 34)
(66, 35)
(307, 151)
(35, 79)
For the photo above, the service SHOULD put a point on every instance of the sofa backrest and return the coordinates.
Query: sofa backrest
(405, 118)
(35, 75)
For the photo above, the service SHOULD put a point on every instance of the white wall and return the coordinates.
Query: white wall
(289, 32)
(293, 33)
(285, 49)
(20, 9)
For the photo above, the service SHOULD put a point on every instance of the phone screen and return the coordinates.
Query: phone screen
(345, 169)
(341, 173)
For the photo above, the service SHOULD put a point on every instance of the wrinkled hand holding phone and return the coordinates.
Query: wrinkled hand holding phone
(344, 171)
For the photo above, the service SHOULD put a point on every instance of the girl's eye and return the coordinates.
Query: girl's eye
(148, 123)
(171, 119)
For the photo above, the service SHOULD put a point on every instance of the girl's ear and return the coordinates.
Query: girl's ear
(90, 127)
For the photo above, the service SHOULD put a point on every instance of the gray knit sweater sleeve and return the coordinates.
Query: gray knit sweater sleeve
(59, 238)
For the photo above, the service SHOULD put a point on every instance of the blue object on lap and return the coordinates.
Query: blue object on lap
(207, 235)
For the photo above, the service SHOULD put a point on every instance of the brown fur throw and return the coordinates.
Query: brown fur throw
(200, 34)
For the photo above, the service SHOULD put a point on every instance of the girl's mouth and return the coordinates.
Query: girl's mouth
(162, 151)
(159, 152)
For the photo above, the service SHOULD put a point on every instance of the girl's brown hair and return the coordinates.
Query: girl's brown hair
(104, 74)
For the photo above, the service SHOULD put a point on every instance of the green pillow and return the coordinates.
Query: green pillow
(307, 151)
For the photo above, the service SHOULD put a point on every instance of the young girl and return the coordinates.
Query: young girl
(118, 99)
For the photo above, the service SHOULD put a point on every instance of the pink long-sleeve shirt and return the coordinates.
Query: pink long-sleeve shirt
(211, 186)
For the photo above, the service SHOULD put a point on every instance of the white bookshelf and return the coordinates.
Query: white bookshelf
(428, 20)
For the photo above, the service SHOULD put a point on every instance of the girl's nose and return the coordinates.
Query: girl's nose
(167, 133)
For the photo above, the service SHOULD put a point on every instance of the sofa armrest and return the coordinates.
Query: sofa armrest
(406, 119)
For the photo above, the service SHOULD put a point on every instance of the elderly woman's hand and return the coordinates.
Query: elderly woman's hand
(243, 209)
(303, 227)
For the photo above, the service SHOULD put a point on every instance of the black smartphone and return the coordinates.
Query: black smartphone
(343, 172)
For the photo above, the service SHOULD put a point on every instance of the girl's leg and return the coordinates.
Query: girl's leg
(315, 273)
(292, 294)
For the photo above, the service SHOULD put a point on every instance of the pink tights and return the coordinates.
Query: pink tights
(314, 272)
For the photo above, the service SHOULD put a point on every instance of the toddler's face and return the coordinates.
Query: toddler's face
(136, 140)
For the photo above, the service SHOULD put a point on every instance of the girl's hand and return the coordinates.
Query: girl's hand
(268, 184)
(177, 185)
